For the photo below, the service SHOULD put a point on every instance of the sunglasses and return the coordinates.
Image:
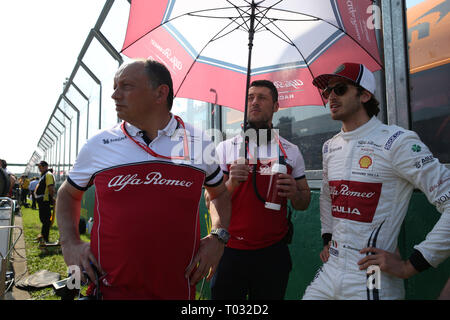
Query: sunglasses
(340, 89)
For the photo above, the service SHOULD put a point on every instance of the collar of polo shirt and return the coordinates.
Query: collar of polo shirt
(169, 130)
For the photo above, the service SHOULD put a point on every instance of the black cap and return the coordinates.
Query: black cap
(43, 163)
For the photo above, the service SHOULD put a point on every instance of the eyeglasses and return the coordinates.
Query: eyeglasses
(340, 89)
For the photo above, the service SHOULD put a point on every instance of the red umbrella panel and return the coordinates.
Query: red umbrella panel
(206, 46)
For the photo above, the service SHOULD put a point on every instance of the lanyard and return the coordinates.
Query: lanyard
(279, 146)
(153, 153)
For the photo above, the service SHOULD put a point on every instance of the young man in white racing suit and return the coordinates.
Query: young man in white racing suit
(369, 172)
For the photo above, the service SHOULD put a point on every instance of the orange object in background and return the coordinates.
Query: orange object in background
(428, 34)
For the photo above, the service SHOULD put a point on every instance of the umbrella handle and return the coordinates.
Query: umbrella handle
(251, 33)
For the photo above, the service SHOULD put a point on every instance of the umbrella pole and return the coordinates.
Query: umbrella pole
(251, 34)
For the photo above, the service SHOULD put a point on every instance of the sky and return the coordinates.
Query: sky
(410, 3)
(40, 43)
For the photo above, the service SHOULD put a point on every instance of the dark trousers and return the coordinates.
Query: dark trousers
(23, 197)
(33, 205)
(261, 274)
(45, 214)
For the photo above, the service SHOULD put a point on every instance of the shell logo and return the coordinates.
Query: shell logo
(365, 162)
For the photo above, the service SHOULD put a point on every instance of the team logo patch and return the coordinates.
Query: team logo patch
(108, 141)
(365, 162)
(422, 162)
(333, 251)
(354, 200)
(319, 271)
(391, 140)
(416, 148)
(333, 248)
(264, 169)
(325, 147)
(335, 149)
(443, 198)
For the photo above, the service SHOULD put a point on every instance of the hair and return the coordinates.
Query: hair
(158, 74)
(3, 163)
(267, 84)
(370, 106)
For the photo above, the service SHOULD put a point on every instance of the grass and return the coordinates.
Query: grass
(37, 260)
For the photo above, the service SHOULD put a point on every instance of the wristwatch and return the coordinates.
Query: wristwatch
(221, 234)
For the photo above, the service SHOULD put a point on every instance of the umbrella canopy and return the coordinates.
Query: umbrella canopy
(214, 48)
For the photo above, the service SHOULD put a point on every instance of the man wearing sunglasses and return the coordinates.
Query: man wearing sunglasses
(369, 172)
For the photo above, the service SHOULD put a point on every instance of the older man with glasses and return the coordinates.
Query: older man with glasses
(369, 172)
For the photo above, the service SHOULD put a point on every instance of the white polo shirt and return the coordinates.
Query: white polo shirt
(146, 222)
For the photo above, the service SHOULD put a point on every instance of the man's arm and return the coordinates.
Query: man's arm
(211, 248)
(12, 181)
(51, 193)
(295, 190)
(50, 182)
(75, 251)
(220, 211)
(420, 168)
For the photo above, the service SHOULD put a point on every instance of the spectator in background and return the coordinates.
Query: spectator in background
(45, 192)
(34, 182)
(24, 184)
(12, 178)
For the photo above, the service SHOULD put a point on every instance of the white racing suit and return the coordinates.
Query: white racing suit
(368, 177)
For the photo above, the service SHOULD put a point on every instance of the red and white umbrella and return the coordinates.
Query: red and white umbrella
(214, 48)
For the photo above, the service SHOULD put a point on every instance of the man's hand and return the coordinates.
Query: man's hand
(388, 262)
(239, 171)
(75, 251)
(325, 253)
(208, 256)
(295, 190)
(206, 260)
(287, 186)
(79, 253)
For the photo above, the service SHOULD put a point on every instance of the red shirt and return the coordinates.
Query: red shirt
(252, 226)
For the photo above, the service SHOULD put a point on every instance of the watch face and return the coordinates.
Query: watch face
(222, 234)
